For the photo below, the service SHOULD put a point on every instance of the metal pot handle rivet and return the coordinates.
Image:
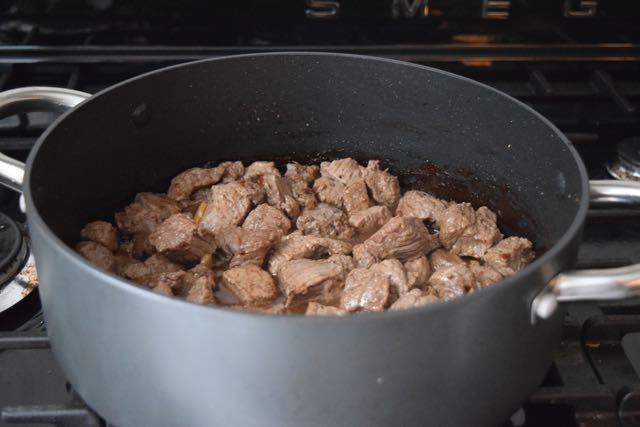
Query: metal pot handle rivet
(596, 284)
(28, 99)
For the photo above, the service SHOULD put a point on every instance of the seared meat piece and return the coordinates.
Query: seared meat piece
(297, 172)
(163, 289)
(279, 194)
(368, 221)
(265, 217)
(176, 238)
(418, 272)
(403, 238)
(442, 258)
(315, 309)
(201, 292)
(201, 195)
(329, 191)
(297, 246)
(304, 280)
(255, 191)
(233, 171)
(187, 182)
(394, 270)
(299, 178)
(171, 280)
(509, 255)
(227, 206)
(363, 257)
(250, 284)
(484, 274)
(452, 281)
(246, 246)
(421, 205)
(365, 289)
(345, 261)
(140, 246)
(199, 273)
(384, 187)
(97, 254)
(122, 260)
(101, 232)
(156, 263)
(274, 308)
(413, 298)
(145, 213)
(468, 233)
(343, 170)
(355, 197)
(258, 168)
(325, 221)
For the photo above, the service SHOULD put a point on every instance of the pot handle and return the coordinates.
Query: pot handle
(596, 284)
(27, 99)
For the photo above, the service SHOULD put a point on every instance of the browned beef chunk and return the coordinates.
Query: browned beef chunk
(362, 257)
(233, 171)
(484, 274)
(452, 281)
(315, 309)
(297, 246)
(259, 168)
(368, 221)
(403, 238)
(123, 259)
(384, 187)
(187, 182)
(418, 272)
(163, 289)
(345, 261)
(442, 258)
(365, 290)
(198, 273)
(325, 221)
(140, 246)
(156, 263)
(413, 298)
(250, 284)
(279, 194)
(177, 238)
(274, 308)
(244, 246)
(355, 197)
(467, 232)
(304, 280)
(329, 191)
(300, 178)
(255, 191)
(101, 232)
(201, 195)
(297, 172)
(421, 205)
(145, 213)
(343, 170)
(227, 206)
(172, 280)
(509, 255)
(267, 218)
(394, 270)
(201, 292)
(97, 254)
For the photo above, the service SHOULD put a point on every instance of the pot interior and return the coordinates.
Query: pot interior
(439, 133)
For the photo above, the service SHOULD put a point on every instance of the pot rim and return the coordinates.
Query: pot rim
(35, 219)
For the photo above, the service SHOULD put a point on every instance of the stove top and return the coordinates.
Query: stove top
(577, 62)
